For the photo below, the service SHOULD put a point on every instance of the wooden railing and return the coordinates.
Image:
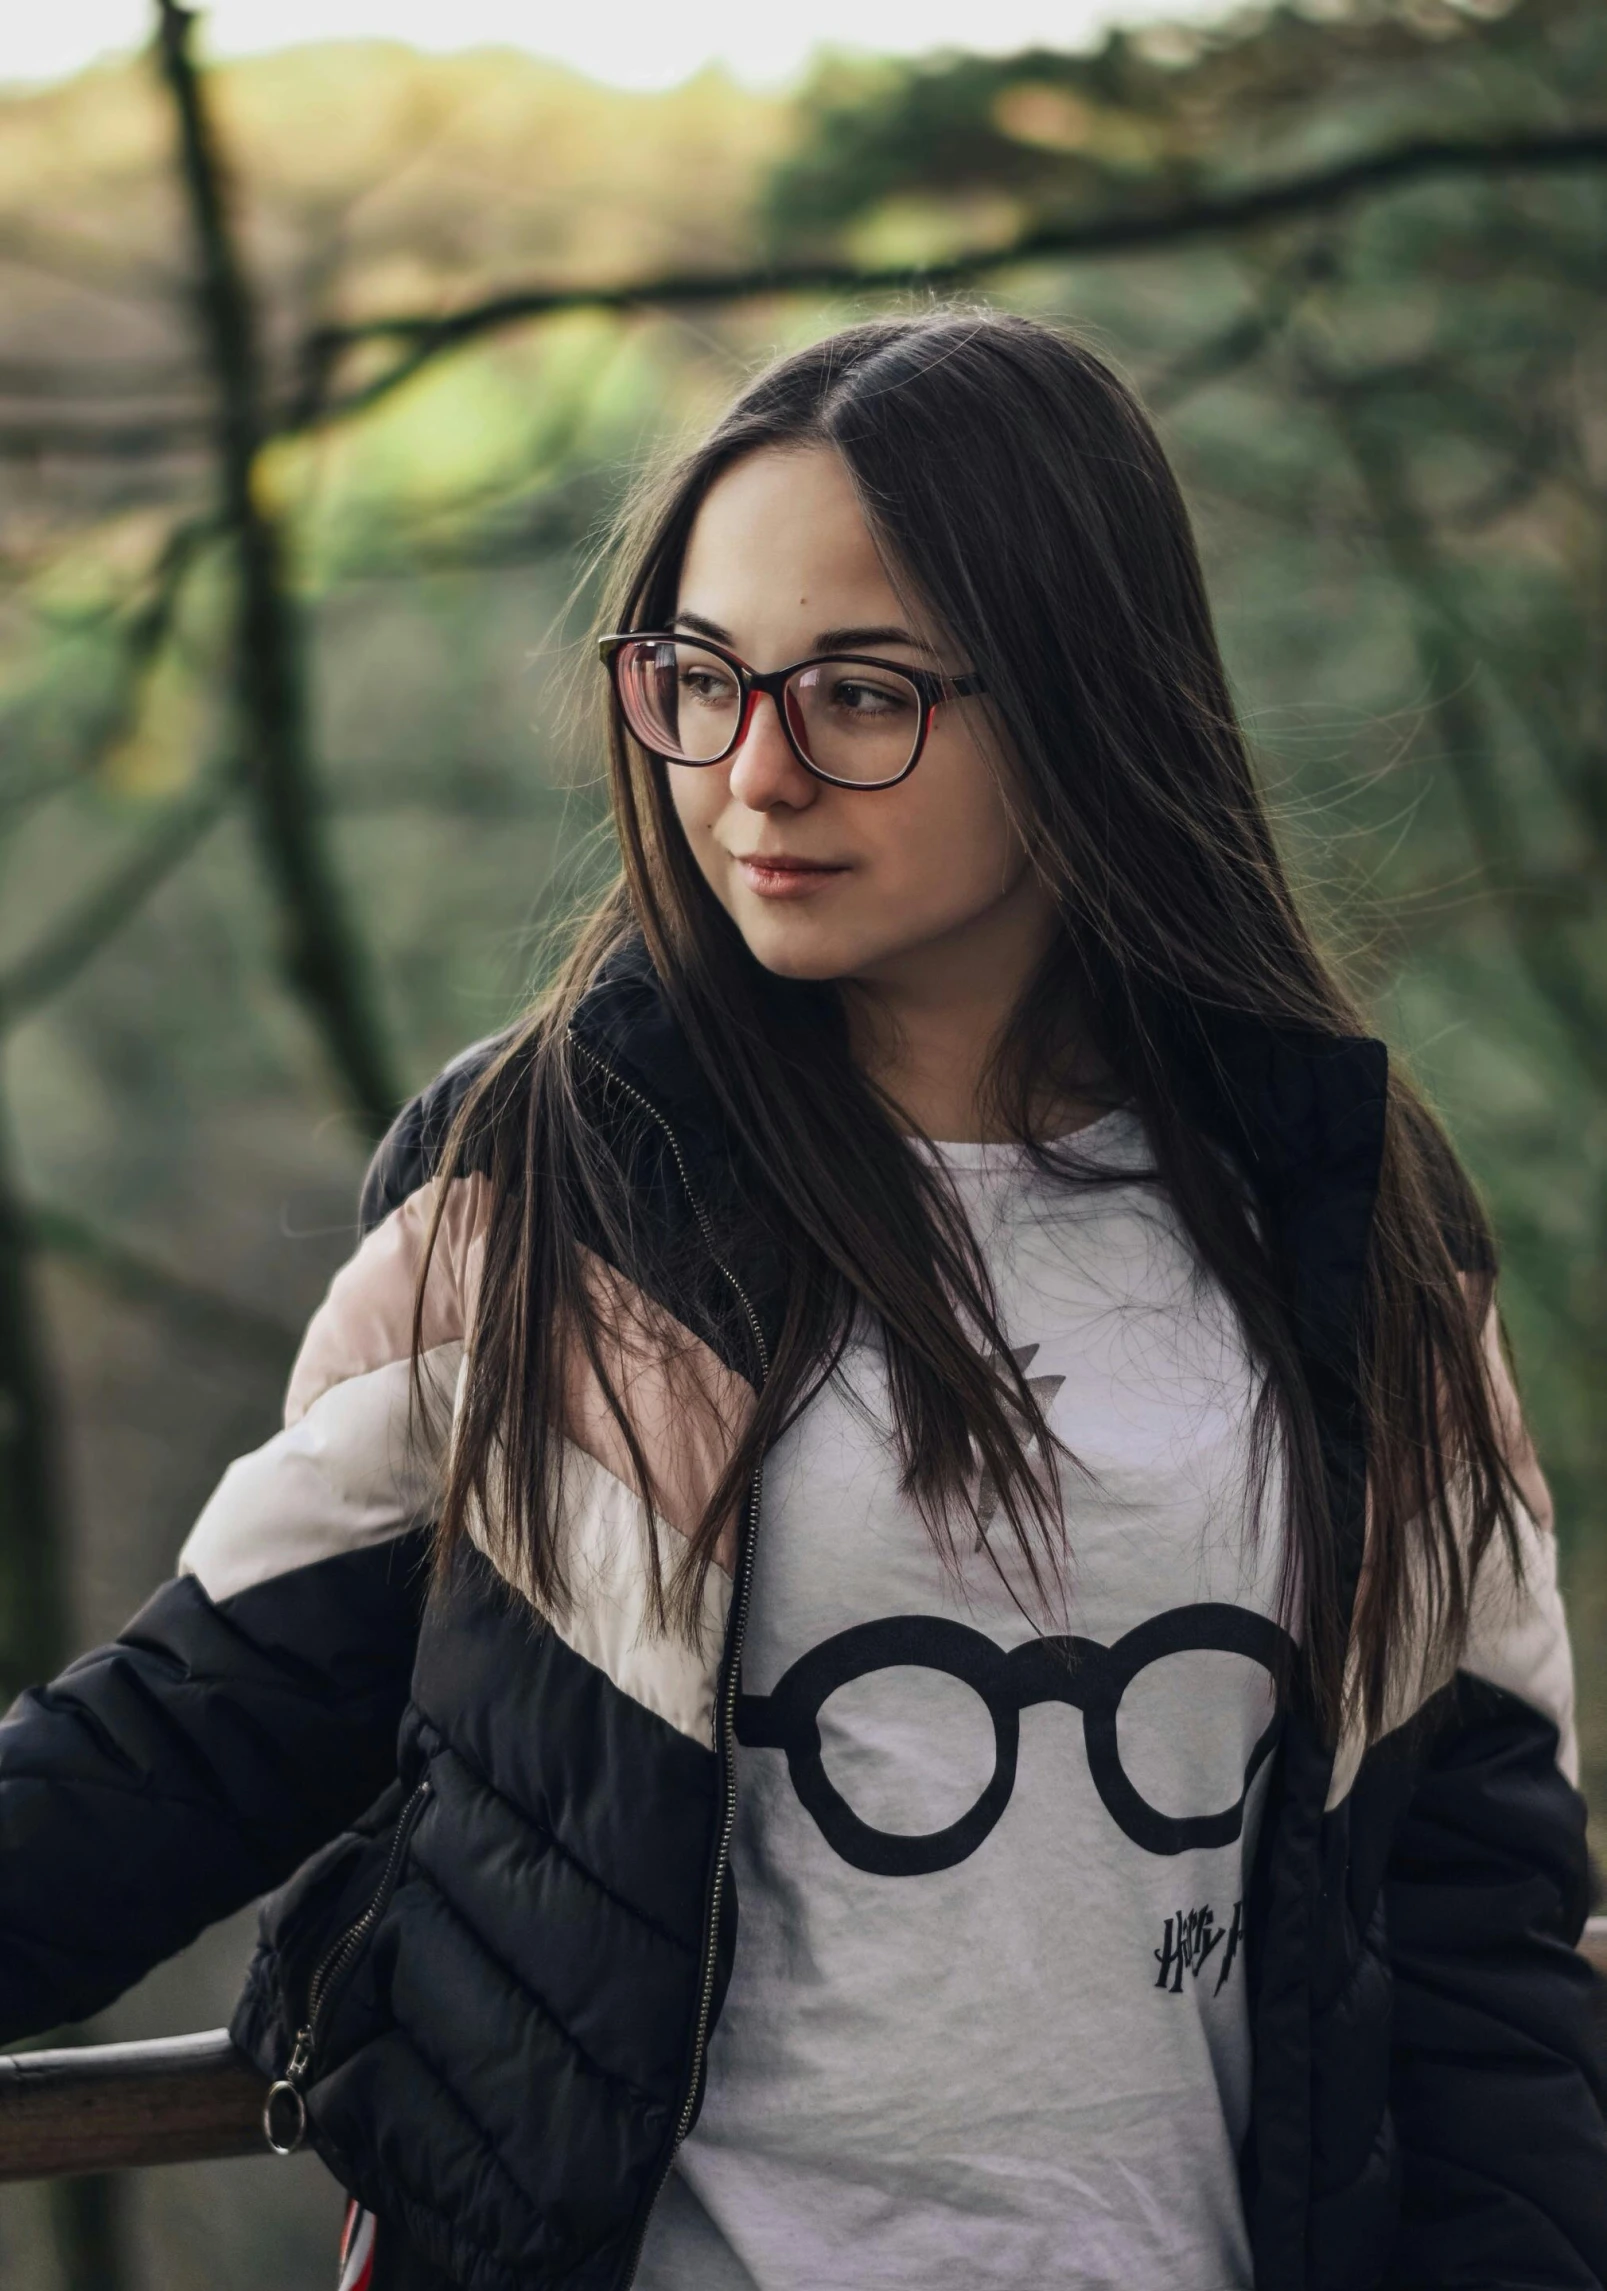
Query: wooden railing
(99, 2107)
(179, 2100)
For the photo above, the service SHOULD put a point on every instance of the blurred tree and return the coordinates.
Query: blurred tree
(324, 964)
(1170, 111)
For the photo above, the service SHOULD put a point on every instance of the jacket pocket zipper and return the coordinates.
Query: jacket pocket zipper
(284, 2112)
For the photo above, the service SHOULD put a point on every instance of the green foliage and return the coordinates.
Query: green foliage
(1153, 113)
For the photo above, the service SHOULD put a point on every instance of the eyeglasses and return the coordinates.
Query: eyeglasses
(850, 719)
(1081, 1672)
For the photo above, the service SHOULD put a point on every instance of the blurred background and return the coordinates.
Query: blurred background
(322, 368)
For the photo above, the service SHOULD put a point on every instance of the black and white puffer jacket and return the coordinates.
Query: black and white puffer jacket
(503, 1927)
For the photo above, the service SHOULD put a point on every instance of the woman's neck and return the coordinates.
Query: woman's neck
(926, 1028)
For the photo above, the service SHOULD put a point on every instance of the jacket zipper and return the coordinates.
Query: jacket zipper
(742, 1591)
(287, 2098)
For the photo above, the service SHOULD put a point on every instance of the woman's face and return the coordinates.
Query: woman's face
(829, 882)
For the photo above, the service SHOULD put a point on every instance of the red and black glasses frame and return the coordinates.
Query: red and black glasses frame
(930, 687)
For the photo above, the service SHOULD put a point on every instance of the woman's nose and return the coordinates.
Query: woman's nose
(764, 770)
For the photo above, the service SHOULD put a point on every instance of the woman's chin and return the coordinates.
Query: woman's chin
(792, 947)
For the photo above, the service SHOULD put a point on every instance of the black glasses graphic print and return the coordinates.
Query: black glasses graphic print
(1078, 1672)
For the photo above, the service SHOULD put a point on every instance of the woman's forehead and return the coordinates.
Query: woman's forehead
(780, 553)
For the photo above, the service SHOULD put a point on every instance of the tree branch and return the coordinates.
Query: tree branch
(147, 622)
(1245, 337)
(139, 1279)
(425, 336)
(455, 790)
(33, 1503)
(1575, 771)
(56, 379)
(321, 956)
(86, 2214)
(86, 265)
(138, 437)
(71, 943)
(1466, 743)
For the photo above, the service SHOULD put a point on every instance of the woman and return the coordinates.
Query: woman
(938, 1389)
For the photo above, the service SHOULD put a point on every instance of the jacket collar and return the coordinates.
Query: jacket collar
(624, 1018)
(1302, 1114)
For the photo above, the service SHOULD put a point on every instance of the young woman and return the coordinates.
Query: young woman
(922, 1458)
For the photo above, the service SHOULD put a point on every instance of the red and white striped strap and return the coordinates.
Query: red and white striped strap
(357, 2250)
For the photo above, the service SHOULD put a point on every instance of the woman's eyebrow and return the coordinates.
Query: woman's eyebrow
(702, 627)
(851, 639)
(828, 640)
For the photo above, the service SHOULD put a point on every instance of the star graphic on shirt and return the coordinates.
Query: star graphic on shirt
(1043, 1390)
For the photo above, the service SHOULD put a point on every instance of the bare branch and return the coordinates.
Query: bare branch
(143, 437)
(75, 941)
(146, 626)
(141, 1280)
(1575, 771)
(422, 337)
(321, 955)
(456, 790)
(33, 1498)
(1466, 743)
(1245, 337)
(87, 265)
(119, 378)
(31, 795)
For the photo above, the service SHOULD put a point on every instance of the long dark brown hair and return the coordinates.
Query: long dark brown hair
(1020, 494)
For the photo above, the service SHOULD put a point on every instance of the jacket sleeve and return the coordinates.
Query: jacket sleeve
(1499, 2071)
(250, 1709)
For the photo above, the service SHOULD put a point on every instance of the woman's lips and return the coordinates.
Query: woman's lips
(780, 875)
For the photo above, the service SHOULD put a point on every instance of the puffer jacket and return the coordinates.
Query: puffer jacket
(503, 1928)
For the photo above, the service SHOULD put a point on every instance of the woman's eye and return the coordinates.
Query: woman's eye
(857, 696)
(704, 685)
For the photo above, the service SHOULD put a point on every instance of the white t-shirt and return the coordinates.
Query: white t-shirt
(986, 2029)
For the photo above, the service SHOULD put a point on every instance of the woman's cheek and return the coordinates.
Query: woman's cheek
(955, 853)
(696, 806)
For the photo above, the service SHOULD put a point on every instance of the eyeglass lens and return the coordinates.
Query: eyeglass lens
(855, 723)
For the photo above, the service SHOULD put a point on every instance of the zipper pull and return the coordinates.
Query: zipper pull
(284, 2112)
